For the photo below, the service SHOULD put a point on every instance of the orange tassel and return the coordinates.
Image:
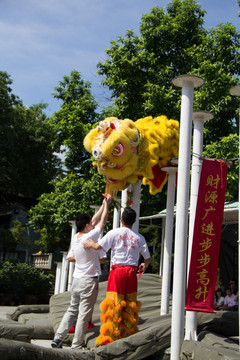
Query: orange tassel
(109, 316)
(129, 318)
(135, 306)
(119, 320)
(119, 307)
(106, 303)
(101, 340)
(107, 329)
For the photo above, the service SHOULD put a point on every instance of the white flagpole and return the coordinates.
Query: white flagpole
(123, 199)
(187, 82)
(71, 264)
(162, 247)
(199, 117)
(116, 218)
(136, 188)
(236, 92)
(167, 253)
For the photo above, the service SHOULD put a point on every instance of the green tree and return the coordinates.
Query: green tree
(27, 162)
(10, 238)
(153, 235)
(54, 211)
(81, 186)
(74, 119)
(139, 69)
(227, 149)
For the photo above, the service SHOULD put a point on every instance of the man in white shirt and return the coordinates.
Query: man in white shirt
(120, 308)
(84, 289)
(229, 301)
(101, 254)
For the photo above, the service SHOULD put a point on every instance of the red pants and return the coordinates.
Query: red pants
(120, 308)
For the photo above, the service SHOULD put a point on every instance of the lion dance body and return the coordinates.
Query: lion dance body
(124, 152)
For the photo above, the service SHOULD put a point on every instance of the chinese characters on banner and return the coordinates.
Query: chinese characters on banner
(206, 236)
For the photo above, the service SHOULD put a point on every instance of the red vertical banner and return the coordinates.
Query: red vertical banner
(206, 236)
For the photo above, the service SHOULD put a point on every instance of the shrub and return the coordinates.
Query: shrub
(22, 278)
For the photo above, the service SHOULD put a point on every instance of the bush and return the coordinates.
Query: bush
(21, 278)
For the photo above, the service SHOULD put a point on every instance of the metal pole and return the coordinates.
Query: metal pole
(236, 92)
(162, 247)
(71, 264)
(58, 278)
(63, 281)
(136, 188)
(124, 199)
(116, 218)
(167, 256)
(199, 117)
(187, 82)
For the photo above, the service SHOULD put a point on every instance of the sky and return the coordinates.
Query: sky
(43, 40)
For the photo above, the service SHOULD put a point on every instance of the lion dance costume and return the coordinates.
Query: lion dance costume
(124, 152)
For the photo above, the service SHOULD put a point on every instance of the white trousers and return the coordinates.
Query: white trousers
(84, 293)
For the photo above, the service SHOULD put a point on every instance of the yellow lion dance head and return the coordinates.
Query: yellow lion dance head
(125, 151)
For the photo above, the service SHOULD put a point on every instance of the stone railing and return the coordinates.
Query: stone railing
(42, 261)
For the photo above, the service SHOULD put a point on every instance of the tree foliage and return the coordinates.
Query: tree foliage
(20, 279)
(227, 149)
(54, 211)
(10, 238)
(74, 119)
(139, 69)
(27, 162)
(152, 234)
(81, 186)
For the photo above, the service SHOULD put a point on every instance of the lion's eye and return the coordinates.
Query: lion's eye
(118, 150)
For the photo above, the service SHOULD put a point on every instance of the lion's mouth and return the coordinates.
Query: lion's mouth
(112, 181)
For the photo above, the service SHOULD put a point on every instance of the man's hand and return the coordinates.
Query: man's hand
(142, 268)
(88, 245)
(107, 199)
(71, 259)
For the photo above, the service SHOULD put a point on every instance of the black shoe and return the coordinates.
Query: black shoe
(56, 343)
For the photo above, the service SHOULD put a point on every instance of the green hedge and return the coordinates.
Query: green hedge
(23, 278)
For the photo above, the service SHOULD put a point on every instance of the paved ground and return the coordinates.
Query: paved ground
(5, 309)
(8, 309)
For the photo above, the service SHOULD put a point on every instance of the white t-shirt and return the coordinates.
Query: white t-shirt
(220, 300)
(229, 300)
(126, 245)
(87, 261)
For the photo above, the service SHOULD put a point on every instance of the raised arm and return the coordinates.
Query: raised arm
(97, 217)
(104, 216)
